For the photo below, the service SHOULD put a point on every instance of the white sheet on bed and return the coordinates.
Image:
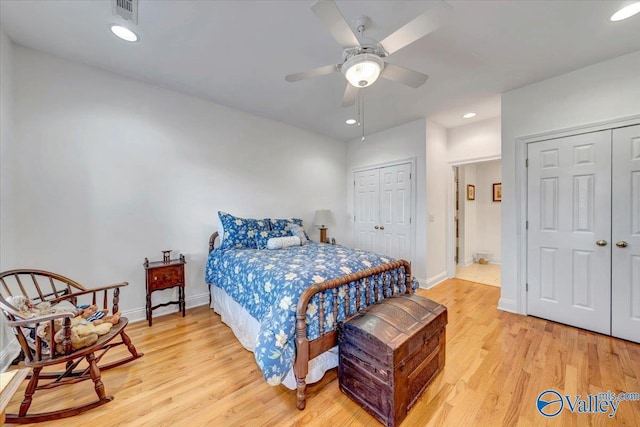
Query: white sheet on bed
(246, 329)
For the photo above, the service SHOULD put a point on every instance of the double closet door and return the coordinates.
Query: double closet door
(583, 236)
(382, 210)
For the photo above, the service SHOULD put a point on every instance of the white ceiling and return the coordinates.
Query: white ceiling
(236, 53)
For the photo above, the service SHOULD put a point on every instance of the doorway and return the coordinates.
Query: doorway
(477, 221)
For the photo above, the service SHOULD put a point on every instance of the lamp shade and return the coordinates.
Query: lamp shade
(323, 217)
(362, 70)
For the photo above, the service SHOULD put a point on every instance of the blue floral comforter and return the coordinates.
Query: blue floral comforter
(268, 283)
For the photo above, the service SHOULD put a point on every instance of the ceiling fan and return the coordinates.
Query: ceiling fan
(362, 63)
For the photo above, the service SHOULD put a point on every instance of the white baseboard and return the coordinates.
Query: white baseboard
(9, 353)
(467, 262)
(437, 279)
(140, 313)
(508, 305)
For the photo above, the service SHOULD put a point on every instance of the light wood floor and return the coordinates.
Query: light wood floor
(487, 274)
(195, 373)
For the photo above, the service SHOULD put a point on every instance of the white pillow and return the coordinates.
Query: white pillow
(283, 242)
(298, 230)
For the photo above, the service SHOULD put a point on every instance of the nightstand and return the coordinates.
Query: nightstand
(164, 275)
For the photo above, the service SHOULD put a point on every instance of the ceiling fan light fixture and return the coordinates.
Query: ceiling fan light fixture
(362, 70)
(124, 33)
(626, 12)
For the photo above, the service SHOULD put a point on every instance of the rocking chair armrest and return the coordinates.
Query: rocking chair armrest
(40, 319)
(89, 291)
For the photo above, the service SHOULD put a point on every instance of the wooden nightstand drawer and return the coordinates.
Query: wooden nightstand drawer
(165, 277)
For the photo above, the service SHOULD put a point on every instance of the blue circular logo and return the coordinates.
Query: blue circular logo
(549, 403)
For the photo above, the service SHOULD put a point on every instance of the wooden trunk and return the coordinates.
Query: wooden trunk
(390, 352)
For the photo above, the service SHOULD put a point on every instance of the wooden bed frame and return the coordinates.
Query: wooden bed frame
(307, 350)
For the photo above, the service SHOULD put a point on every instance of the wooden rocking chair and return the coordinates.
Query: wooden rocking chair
(40, 353)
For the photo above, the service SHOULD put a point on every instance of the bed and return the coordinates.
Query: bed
(285, 304)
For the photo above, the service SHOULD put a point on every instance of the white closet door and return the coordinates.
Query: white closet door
(367, 194)
(395, 211)
(625, 315)
(569, 214)
(383, 210)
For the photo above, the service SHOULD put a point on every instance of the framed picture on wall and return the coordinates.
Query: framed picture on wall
(471, 192)
(497, 192)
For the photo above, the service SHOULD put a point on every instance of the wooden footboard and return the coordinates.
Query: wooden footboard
(384, 285)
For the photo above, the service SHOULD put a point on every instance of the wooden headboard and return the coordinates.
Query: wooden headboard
(212, 241)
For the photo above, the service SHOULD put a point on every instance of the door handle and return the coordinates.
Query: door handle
(601, 243)
(376, 227)
(382, 227)
(622, 244)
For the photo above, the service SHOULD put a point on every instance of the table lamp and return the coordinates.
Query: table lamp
(323, 218)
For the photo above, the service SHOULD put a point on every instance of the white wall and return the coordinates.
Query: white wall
(399, 143)
(488, 212)
(6, 139)
(600, 92)
(473, 142)
(439, 179)
(109, 171)
(8, 346)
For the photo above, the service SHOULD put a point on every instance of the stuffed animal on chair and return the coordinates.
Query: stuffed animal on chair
(86, 326)
(83, 333)
(97, 317)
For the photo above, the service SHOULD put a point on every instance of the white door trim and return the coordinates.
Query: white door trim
(411, 160)
(520, 198)
(414, 195)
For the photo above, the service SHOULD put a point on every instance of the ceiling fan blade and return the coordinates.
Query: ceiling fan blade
(321, 71)
(350, 95)
(418, 28)
(327, 11)
(403, 75)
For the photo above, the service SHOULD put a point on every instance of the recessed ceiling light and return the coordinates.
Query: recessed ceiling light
(351, 121)
(124, 33)
(468, 115)
(626, 12)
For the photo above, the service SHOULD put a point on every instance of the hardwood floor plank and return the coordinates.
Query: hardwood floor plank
(196, 373)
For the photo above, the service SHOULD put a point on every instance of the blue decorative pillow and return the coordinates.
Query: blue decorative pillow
(241, 232)
(282, 224)
(263, 237)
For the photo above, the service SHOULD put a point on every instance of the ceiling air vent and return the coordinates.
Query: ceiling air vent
(128, 9)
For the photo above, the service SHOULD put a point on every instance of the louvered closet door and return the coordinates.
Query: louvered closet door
(569, 214)
(625, 315)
